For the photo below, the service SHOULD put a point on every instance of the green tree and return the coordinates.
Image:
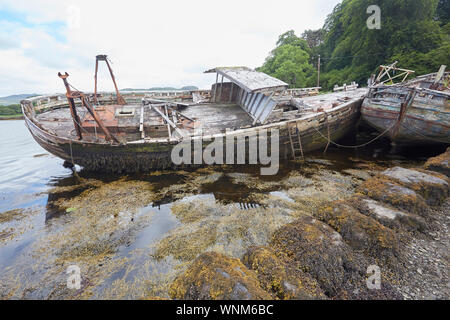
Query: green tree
(408, 31)
(289, 61)
(314, 38)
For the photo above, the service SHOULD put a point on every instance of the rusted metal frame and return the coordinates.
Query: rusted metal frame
(87, 105)
(120, 99)
(72, 107)
(95, 82)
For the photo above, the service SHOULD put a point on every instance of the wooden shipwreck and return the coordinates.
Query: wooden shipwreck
(137, 130)
(410, 112)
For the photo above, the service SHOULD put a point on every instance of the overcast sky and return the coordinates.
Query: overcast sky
(151, 43)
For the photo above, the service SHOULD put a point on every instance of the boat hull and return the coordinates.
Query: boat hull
(147, 156)
(425, 120)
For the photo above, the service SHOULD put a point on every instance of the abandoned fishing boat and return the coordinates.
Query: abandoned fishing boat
(411, 112)
(137, 130)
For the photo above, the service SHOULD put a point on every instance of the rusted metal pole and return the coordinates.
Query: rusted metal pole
(97, 119)
(120, 99)
(73, 110)
(95, 82)
(104, 57)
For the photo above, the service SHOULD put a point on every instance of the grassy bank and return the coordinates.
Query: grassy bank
(10, 112)
(11, 117)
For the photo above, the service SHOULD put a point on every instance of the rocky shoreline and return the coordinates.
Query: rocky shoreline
(396, 220)
(223, 232)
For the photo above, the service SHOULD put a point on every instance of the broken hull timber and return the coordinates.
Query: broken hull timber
(141, 156)
(425, 120)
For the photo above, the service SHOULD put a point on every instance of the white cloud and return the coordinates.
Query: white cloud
(152, 43)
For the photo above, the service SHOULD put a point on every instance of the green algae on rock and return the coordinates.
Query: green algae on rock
(213, 276)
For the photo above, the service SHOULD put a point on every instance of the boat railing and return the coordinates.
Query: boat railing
(301, 92)
(345, 87)
(53, 101)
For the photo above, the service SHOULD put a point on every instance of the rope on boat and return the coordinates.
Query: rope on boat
(353, 147)
(328, 133)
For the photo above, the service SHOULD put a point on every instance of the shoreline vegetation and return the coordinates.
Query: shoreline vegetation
(10, 112)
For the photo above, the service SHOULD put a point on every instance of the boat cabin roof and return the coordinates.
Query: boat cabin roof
(249, 79)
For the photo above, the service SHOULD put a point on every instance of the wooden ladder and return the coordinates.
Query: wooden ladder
(296, 144)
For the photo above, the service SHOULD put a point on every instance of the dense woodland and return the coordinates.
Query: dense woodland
(416, 33)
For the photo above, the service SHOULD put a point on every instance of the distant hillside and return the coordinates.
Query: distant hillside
(15, 98)
(186, 88)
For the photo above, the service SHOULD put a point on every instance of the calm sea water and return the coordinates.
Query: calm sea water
(26, 170)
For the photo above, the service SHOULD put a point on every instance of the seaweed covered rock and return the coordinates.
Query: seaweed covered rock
(382, 189)
(359, 231)
(440, 163)
(433, 187)
(213, 276)
(315, 248)
(279, 277)
(389, 216)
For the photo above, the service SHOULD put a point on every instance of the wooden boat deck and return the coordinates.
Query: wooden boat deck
(212, 117)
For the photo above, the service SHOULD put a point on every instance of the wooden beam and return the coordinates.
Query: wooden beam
(215, 88)
(231, 92)
(168, 126)
(168, 121)
(221, 86)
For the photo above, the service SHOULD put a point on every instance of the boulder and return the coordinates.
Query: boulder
(391, 217)
(213, 276)
(279, 277)
(440, 163)
(315, 248)
(382, 189)
(432, 186)
(360, 232)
